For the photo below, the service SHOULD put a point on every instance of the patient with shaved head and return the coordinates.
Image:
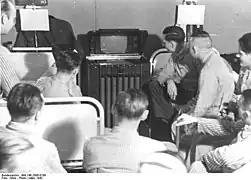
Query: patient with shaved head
(216, 82)
(215, 86)
(201, 40)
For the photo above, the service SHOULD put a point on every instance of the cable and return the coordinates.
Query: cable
(95, 15)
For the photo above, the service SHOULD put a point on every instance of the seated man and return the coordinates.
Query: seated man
(230, 157)
(216, 81)
(24, 103)
(219, 131)
(62, 83)
(181, 70)
(122, 149)
(8, 76)
(216, 88)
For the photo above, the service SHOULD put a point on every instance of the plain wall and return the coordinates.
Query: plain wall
(225, 20)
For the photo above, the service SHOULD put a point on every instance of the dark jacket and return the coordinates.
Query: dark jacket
(60, 35)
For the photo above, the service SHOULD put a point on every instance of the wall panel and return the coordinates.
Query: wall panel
(226, 20)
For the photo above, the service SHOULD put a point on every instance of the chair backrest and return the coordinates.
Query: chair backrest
(159, 59)
(68, 124)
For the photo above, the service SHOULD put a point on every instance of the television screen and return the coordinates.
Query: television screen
(116, 44)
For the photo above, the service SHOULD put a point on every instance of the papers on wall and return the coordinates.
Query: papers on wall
(191, 14)
(34, 19)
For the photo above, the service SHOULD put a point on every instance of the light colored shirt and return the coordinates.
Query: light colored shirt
(230, 157)
(216, 86)
(162, 163)
(244, 169)
(182, 68)
(8, 76)
(53, 87)
(120, 149)
(47, 151)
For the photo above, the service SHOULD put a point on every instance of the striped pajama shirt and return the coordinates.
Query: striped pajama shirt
(227, 158)
(8, 76)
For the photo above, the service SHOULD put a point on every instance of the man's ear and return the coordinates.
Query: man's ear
(4, 18)
(37, 116)
(144, 115)
(173, 43)
(246, 114)
(113, 110)
(75, 72)
(195, 49)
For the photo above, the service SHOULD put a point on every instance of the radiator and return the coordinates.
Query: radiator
(104, 81)
(109, 89)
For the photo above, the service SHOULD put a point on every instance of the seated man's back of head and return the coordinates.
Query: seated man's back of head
(62, 84)
(25, 103)
(122, 148)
